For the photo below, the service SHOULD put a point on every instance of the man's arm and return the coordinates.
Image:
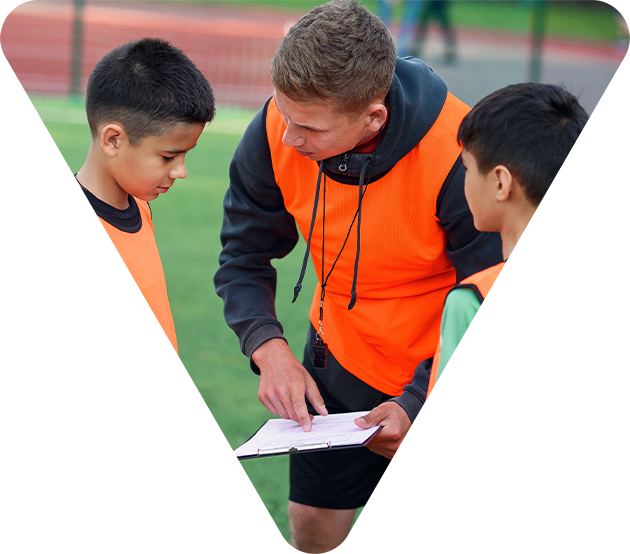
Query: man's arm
(256, 229)
(456, 484)
(61, 280)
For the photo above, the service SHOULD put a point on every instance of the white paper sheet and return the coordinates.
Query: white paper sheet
(281, 436)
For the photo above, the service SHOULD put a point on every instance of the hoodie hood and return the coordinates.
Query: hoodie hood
(419, 95)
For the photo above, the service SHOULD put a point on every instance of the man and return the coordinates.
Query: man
(359, 149)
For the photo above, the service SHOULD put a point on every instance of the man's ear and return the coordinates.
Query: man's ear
(504, 182)
(113, 137)
(376, 116)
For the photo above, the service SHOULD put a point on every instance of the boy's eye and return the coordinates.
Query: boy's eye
(167, 158)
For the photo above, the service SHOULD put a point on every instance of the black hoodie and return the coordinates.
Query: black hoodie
(257, 227)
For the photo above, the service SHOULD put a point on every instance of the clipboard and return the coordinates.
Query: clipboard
(332, 432)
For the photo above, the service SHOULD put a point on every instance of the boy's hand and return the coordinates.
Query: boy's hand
(14, 496)
(395, 422)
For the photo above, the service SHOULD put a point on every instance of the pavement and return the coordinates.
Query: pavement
(233, 47)
(486, 62)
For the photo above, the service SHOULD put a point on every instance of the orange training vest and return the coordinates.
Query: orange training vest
(113, 435)
(404, 273)
(535, 493)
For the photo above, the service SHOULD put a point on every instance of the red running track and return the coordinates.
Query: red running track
(232, 48)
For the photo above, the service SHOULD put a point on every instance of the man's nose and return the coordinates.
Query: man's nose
(292, 136)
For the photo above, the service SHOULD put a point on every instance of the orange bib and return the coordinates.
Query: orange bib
(404, 273)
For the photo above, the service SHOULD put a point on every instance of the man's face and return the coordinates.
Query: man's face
(317, 132)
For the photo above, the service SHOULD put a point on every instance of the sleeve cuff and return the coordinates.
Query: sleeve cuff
(410, 402)
(258, 337)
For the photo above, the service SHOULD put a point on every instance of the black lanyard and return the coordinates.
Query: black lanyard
(320, 348)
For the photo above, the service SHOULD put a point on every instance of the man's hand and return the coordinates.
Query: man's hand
(14, 496)
(284, 382)
(395, 422)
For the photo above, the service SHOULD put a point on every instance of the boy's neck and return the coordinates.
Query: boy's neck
(94, 177)
(531, 229)
(514, 224)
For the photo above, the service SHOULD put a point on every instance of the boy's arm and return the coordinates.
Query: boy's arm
(61, 280)
(456, 484)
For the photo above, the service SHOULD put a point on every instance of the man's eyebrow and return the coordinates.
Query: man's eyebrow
(308, 128)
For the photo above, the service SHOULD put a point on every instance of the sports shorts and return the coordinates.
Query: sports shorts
(130, 534)
(338, 479)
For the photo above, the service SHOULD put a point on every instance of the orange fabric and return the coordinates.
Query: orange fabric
(113, 435)
(403, 274)
(535, 494)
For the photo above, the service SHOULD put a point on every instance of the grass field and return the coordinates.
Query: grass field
(239, 507)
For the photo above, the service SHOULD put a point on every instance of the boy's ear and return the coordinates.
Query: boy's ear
(504, 183)
(113, 137)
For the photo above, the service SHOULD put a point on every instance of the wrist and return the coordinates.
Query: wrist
(268, 349)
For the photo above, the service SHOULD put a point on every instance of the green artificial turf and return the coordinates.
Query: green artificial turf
(240, 507)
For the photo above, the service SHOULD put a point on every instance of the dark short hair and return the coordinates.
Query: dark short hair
(530, 128)
(147, 86)
(338, 52)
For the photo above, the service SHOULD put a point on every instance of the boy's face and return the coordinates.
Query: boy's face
(317, 132)
(148, 169)
(480, 194)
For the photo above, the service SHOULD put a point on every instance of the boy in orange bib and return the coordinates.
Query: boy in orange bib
(507, 450)
(93, 422)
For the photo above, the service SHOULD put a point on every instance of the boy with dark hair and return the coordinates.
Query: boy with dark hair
(93, 422)
(509, 440)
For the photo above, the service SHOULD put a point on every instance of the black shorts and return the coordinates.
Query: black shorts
(339, 479)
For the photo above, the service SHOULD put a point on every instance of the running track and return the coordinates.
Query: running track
(232, 49)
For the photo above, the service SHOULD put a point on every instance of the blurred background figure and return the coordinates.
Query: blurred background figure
(438, 10)
(414, 23)
(622, 17)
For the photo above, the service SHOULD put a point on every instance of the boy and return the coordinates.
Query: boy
(507, 449)
(93, 422)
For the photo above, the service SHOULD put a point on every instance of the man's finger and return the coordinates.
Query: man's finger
(312, 393)
(275, 406)
(369, 420)
(303, 416)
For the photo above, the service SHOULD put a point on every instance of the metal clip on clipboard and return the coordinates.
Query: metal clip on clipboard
(292, 449)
